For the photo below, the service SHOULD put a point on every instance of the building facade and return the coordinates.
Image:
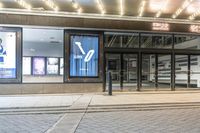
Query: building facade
(56, 54)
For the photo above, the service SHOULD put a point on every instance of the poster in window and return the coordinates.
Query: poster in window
(38, 66)
(52, 65)
(26, 65)
(61, 66)
(84, 56)
(7, 55)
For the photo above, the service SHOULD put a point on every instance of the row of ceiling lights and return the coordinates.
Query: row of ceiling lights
(141, 10)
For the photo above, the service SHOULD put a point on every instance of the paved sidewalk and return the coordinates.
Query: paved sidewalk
(34, 101)
(67, 100)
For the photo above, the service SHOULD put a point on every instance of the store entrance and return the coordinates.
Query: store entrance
(123, 69)
(156, 72)
(187, 72)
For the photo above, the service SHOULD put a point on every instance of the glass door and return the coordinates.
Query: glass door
(181, 71)
(194, 72)
(164, 71)
(148, 71)
(123, 69)
(129, 71)
(113, 66)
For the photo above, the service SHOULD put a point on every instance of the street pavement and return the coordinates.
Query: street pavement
(39, 123)
(155, 121)
(139, 112)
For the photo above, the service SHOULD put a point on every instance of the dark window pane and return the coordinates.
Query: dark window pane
(186, 42)
(122, 40)
(156, 41)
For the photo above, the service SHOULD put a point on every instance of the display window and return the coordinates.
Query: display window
(84, 53)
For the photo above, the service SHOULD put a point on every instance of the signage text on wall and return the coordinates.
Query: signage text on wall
(160, 26)
(195, 28)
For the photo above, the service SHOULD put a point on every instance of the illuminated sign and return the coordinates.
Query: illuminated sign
(84, 55)
(7, 55)
(160, 26)
(195, 28)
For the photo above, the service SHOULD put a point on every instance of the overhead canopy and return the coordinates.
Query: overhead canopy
(185, 10)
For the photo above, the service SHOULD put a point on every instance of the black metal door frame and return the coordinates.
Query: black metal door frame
(121, 68)
(188, 68)
(156, 68)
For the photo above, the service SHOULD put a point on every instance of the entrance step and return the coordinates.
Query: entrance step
(100, 108)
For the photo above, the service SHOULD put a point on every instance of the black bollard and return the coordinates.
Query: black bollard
(110, 84)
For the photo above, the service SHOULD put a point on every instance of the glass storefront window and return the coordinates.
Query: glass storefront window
(156, 41)
(42, 55)
(186, 42)
(84, 52)
(125, 40)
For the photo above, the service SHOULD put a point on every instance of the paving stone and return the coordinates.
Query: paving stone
(155, 121)
(27, 123)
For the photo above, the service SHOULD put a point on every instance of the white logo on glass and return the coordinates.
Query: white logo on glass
(89, 55)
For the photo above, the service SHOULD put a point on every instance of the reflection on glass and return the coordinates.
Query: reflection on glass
(181, 71)
(164, 71)
(156, 41)
(113, 65)
(52, 65)
(195, 71)
(26, 65)
(186, 42)
(148, 71)
(38, 66)
(122, 40)
(129, 71)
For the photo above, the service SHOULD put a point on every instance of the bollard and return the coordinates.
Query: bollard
(110, 84)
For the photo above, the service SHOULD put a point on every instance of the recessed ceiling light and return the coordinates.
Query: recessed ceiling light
(1, 5)
(24, 4)
(121, 7)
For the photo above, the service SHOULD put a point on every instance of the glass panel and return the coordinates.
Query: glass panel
(186, 42)
(129, 71)
(84, 56)
(164, 71)
(156, 41)
(148, 71)
(113, 65)
(195, 71)
(181, 71)
(122, 40)
(8, 55)
(44, 47)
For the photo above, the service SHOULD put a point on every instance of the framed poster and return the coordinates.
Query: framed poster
(26, 65)
(7, 55)
(52, 65)
(61, 66)
(38, 66)
(84, 53)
